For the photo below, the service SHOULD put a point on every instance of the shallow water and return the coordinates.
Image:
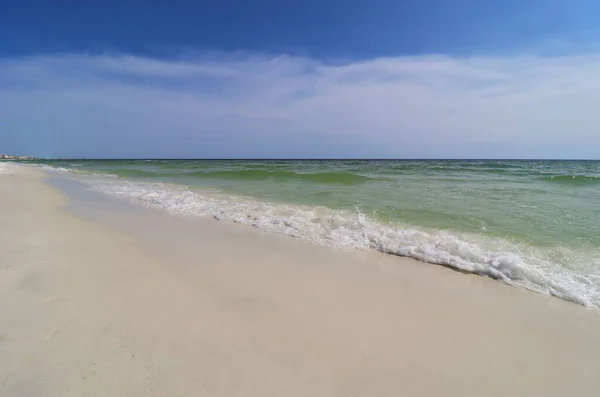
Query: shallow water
(533, 224)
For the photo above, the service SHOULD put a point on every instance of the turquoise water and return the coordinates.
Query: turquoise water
(534, 224)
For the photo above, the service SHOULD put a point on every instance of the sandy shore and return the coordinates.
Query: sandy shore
(99, 299)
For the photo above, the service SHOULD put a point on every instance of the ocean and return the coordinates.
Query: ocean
(530, 224)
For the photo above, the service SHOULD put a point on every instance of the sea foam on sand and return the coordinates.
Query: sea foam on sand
(139, 303)
(516, 265)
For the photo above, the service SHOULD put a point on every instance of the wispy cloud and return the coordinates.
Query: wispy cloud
(256, 105)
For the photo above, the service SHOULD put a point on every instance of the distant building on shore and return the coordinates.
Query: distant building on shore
(9, 157)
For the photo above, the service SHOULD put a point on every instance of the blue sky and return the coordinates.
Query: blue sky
(502, 79)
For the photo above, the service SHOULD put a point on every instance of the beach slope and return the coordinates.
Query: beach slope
(90, 308)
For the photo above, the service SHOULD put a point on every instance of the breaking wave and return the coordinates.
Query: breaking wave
(511, 263)
(573, 179)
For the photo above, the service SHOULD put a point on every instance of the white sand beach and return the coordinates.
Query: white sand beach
(99, 301)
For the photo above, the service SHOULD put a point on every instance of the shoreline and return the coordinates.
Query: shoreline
(521, 262)
(99, 297)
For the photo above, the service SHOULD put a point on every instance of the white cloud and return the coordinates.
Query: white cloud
(282, 106)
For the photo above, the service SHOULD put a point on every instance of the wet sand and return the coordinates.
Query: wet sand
(101, 298)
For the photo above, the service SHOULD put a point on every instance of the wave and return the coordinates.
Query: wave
(128, 173)
(321, 177)
(344, 178)
(490, 170)
(572, 179)
(75, 171)
(56, 168)
(508, 262)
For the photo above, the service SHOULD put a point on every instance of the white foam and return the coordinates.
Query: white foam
(51, 168)
(513, 264)
(5, 167)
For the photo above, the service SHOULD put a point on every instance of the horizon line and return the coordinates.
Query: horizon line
(298, 159)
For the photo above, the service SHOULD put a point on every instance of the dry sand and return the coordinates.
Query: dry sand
(140, 303)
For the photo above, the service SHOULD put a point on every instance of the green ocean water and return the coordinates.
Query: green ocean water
(534, 224)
